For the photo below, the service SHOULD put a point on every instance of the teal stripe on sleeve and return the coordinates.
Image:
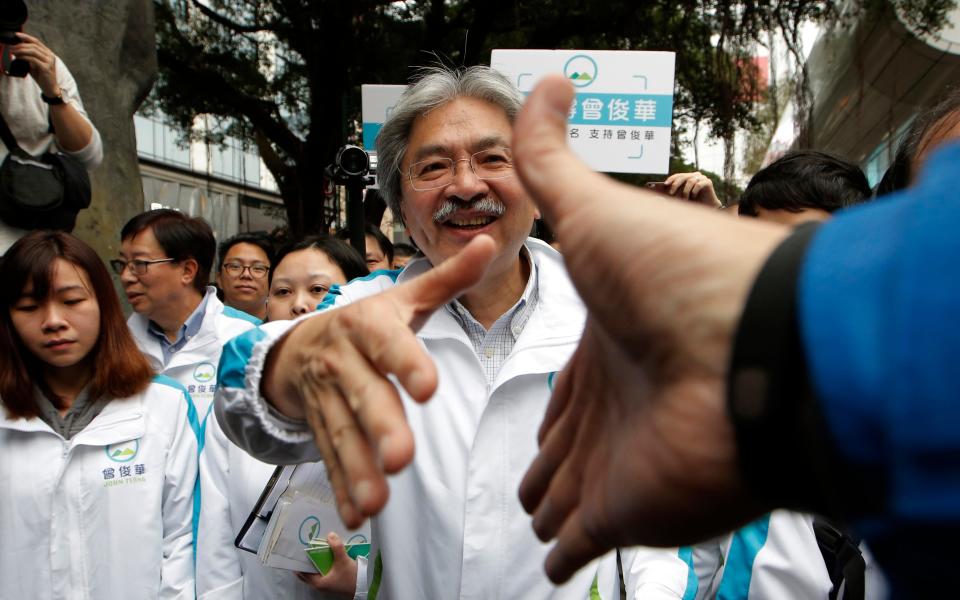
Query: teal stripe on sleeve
(738, 570)
(330, 298)
(335, 290)
(392, 274)
(192, 417)
(198, 432)
(693, 584)
(239, 314)
(235, 356)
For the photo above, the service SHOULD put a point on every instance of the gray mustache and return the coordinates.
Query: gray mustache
(489, 206)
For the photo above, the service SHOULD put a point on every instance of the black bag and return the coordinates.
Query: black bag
(843, 559)
(43, 192)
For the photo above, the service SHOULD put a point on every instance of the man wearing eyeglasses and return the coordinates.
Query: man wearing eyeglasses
(495, 313)
(178, 322)
(245, 261)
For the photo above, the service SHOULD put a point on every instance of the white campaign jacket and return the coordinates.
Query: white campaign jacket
(453, 526)
(774, 557)
(231, 482)
(106, 514)
(195, 365)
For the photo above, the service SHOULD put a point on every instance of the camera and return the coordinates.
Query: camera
(13, 15)
(351, 161)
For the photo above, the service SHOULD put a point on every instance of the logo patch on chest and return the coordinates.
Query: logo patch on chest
(204, 372)
(127, 471)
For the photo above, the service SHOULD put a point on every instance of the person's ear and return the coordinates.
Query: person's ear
(190, 268)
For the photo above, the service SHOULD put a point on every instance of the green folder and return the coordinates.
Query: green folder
(322, 556)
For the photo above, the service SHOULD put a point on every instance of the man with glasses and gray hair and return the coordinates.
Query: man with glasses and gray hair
(497, 315)
(178, 322)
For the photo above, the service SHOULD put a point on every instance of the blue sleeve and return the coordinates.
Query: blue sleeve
(878, 300)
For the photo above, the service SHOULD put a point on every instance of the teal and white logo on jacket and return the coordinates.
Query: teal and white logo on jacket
(204, 372)
(124, 451)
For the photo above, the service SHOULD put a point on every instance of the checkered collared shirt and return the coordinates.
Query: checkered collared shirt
(494, 346)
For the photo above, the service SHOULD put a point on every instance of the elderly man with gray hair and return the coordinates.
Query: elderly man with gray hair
(480, 323)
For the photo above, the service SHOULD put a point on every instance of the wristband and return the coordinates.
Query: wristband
(54, 101)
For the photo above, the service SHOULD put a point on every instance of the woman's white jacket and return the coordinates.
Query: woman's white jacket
(106, 514)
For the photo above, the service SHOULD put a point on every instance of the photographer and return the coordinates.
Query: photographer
(39, 102)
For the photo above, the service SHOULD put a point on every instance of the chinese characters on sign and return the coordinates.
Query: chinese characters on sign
(620, 120)
(629, 110)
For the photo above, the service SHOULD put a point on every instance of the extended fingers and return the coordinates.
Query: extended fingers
(417, 299)
(368, 430)
(562, 384)
(575, 547)
(539, 478)
(331, 461)
(372, 397)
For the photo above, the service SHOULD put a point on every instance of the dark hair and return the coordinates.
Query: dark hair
(402, 249)
(255, 239)
(386, 246)
(343, 254)
(119, 369)
(803, 180)
(918, 139)
(180, 236)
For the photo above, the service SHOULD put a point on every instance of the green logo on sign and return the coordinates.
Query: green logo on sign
(581, 70)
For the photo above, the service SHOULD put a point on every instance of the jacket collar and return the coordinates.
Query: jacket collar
(207, 333)
(119, 421)
(557, 318)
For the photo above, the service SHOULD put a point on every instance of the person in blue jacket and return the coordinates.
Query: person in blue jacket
(734, 366)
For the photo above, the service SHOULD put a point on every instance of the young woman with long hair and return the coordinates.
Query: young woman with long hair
(98, 462)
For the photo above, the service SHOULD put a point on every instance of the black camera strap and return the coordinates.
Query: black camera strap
(7, 136)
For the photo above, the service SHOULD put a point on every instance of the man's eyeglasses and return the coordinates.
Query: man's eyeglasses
(137, 265)
(438, 172)
(257, 270)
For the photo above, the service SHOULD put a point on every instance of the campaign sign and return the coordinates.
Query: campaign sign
(377, 102)
(620, 119)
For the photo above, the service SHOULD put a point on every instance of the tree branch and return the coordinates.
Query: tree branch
(229, 23)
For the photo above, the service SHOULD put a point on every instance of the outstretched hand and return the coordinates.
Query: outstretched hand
(332, 369)
(636, 447)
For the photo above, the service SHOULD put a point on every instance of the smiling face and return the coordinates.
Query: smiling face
(61, 329)
(300, 281)
(441, 221)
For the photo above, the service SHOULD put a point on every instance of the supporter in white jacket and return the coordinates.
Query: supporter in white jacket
(98, 464)
(194, 366)
(178, 322)
(774, 557)
(231, 480)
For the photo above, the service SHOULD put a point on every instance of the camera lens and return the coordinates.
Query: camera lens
(352, 161)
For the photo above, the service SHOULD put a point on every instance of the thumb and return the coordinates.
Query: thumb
(555, 178)
(445, 281)
(337, 548)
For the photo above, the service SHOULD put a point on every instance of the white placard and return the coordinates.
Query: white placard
(377, 101)
(621, 118)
